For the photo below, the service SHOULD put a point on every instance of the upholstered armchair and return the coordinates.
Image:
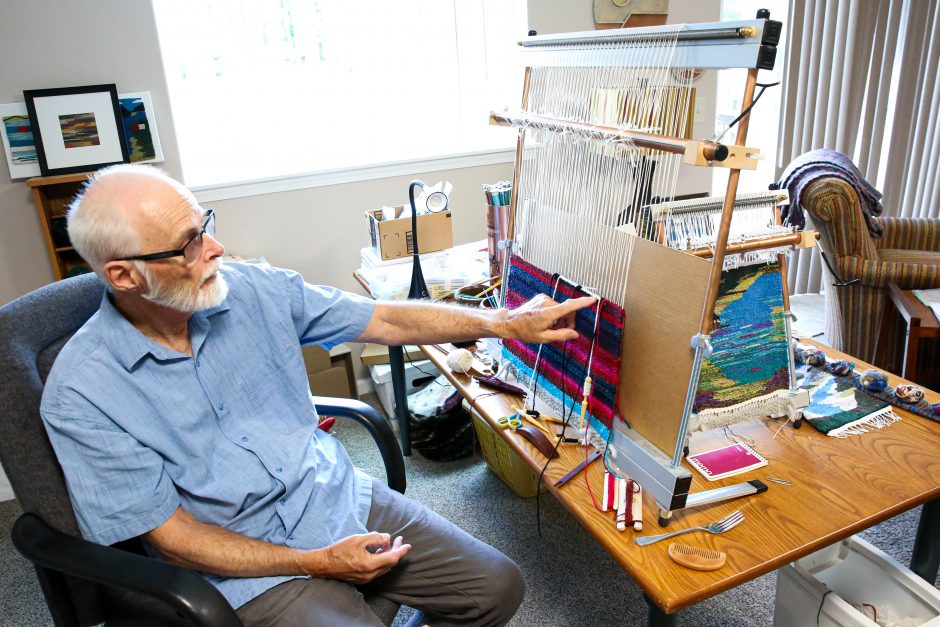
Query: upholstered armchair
(908, 255)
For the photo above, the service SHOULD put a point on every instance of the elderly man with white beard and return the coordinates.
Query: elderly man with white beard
(180, 412)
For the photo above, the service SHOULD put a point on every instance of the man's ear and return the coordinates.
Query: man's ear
(122, 276)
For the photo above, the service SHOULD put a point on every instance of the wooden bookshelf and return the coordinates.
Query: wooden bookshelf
(52, 195)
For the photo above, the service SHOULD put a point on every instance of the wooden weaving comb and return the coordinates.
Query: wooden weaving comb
(696, 558)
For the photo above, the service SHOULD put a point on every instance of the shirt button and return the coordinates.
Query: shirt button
(197, 363)
(283, 501)
(221, 406)
(244, 438)
(278, 469)
(290, 537)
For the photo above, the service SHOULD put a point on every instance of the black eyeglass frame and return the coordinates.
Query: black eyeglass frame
(180, 252)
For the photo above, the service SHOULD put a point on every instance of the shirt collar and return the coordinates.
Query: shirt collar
(129, 345)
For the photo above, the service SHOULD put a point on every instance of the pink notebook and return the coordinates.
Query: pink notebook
(726, 461)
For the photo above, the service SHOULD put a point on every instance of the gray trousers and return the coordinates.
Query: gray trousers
(452, 577)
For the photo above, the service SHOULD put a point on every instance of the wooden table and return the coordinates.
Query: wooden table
(840, 487)
(920, 323)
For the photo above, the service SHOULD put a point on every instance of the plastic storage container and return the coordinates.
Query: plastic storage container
(417, 375)
(501, 459)
(857, 573)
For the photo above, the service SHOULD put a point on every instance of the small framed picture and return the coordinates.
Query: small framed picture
(76, 129)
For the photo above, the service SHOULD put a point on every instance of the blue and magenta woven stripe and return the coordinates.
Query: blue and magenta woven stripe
(562, 365)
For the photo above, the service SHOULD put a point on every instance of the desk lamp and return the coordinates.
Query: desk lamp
(435, 201)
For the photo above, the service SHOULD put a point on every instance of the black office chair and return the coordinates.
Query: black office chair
(86, 583)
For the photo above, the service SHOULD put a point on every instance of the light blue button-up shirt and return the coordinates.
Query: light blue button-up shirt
(228, 434)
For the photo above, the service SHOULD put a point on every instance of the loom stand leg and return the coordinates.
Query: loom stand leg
(396, 360)
(925, 558)
(656, 617)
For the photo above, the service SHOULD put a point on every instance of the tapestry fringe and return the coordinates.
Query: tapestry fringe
(878, 420)
(776, 403)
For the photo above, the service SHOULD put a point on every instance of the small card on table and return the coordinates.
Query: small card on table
(726, 461)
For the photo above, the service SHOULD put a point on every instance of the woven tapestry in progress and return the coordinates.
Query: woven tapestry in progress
(747, 374)
(561, 366)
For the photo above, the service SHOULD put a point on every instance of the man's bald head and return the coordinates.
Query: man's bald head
(120, 204)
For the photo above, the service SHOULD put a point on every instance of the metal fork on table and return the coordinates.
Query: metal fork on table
(728, 522)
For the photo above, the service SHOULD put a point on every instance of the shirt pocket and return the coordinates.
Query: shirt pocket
(272, 398)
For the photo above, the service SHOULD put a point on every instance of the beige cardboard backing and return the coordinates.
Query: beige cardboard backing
(665, 297)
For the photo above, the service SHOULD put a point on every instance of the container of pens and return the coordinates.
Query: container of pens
(497, 223)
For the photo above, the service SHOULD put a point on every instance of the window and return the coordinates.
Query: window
(272, 88)
(765, 116)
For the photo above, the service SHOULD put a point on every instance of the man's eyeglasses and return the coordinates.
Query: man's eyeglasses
(190, 251)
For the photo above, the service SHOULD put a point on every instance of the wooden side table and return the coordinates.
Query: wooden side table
(920, 324)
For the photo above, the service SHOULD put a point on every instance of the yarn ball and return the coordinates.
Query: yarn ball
(460, 360)
(842, 368)
(909, 393)
(873, 380)
(811, 357)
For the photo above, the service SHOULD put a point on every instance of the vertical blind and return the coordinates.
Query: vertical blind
(861, 78)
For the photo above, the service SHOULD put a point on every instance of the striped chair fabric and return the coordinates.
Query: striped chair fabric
(908, 255)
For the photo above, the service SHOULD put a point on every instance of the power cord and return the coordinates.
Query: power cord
(763, 88)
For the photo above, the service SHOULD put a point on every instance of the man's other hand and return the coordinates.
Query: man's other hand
(542, 320)
(360, 558)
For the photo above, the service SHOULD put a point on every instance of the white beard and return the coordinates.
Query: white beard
(182, 297)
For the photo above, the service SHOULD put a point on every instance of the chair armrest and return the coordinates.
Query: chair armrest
(907, 276)
(377, 426)
(188, 593)
(910, 233)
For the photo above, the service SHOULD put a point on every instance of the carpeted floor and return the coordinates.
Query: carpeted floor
(570, 579)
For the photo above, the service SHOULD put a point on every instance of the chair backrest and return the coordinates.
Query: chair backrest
(837, 214)
(33, 329)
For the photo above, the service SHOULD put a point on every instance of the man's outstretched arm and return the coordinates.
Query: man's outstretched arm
(357, 559)
(422, 322)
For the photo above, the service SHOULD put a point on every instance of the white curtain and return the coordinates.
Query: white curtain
(861, 78)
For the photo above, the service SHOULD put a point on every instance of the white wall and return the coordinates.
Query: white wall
(316, 231)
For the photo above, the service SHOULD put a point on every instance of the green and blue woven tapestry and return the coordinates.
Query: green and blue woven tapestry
(747, 374)
(838, 408)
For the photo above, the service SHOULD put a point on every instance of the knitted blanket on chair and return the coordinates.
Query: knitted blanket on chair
(820, 163)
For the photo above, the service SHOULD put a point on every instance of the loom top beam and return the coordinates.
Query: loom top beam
(750, 44)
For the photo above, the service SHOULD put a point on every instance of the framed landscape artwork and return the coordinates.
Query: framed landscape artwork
(76, 129)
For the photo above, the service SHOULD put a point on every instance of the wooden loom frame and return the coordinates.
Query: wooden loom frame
(654, 458)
